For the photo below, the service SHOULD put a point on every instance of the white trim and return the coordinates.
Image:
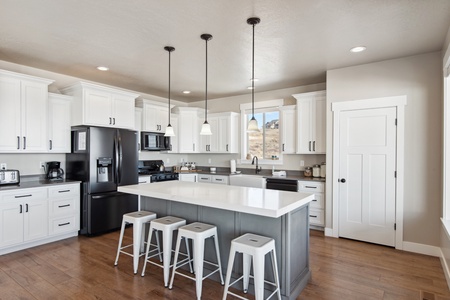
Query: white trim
(262, 104)
(396, 101)
(421, 249)
(446, 146)
(329, 232)
(445, 267)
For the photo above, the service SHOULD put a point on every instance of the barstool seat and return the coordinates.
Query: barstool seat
(167, 225)
(198, 233)
(256, 247)
(138, 219)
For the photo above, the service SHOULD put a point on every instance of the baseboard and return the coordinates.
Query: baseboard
(329, 232)
(445, 267)
(422, 249)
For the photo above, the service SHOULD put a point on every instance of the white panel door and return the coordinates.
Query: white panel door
(367, 148)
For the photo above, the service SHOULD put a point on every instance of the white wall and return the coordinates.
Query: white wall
(420, 79)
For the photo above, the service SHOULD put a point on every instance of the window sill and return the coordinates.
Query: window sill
(261, 162)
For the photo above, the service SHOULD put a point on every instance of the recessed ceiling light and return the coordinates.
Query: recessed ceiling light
(358, 49)
(186, 92)
(102, 68)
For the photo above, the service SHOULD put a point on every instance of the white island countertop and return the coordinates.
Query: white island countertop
(256, 201)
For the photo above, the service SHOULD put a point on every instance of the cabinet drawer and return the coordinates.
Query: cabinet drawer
(204, 178)
(63, 224)
(310, 187)
(316, 217)
(63, 191)
(220, 179)
(144, 179)
(23, 195)
(62, 206)
(318, 203)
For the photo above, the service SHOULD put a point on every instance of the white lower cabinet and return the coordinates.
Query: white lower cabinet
(144, 179)
(35, 216)
(317, 206)
(191, 177)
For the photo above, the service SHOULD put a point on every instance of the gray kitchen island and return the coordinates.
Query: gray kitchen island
(236, 210)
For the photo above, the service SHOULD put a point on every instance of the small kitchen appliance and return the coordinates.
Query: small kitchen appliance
(9, 177)
(54, 170)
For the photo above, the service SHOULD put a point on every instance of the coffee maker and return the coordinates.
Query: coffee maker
(54, 171)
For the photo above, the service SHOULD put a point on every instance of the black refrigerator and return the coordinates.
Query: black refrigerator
(103, 159)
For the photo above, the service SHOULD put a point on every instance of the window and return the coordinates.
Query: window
(266, 143)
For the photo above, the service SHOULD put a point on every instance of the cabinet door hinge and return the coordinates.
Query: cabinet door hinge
(395, 226)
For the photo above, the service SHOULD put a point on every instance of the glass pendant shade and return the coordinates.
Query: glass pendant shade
(169, 131)
(252, 125)
(206, 129)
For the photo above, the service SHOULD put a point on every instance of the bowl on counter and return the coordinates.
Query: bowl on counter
(212, 170)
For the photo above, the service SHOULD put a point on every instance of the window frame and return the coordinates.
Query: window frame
(246, 109)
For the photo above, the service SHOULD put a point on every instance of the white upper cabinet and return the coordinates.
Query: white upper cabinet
(188, 129)
(155, 115)
(59, 114)
(311, 122)
(225, 133)
(98, 105)
(23, 104)
(288, 129)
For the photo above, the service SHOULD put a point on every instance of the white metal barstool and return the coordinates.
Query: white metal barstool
(167, 225)
(198, 233)
(138, 219)
(256, 247)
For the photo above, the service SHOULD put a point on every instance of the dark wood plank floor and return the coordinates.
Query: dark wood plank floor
(82, 268)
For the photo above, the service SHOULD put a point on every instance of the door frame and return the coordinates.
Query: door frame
(399, 103)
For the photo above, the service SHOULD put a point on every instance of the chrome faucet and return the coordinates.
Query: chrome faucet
(258, 169)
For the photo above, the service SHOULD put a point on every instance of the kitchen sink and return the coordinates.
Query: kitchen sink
(248, 180)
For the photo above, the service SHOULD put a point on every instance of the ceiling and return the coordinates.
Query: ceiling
(295, 43)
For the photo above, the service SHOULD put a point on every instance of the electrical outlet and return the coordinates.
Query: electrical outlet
(3, 166)
(42, 165)
(209, 160)
(302, 163)
(168, 160)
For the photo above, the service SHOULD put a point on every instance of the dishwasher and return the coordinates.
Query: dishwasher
(282, 184)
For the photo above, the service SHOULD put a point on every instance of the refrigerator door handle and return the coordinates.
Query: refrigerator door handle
(119, 164)
(116, 161)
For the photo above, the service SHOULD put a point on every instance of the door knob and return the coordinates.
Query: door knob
(342, 180)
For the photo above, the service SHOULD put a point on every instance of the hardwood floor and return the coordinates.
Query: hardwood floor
(83, 268)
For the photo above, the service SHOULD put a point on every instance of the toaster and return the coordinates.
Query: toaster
(9, 177)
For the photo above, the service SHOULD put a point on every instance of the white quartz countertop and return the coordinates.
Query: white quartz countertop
(256, 201)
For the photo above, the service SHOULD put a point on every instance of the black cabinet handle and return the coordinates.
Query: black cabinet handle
(20, 209)
(65, 205)
(114, 121)
(227, 147)
(312, 216)
(311, 187)
(26, 207)
(110, 120)
(24, 142)
(64, 224)
(309, 145)
(283, 148)
(23, 196)
(64, 191)
(18, 142)
(314, 146)
(51, 145)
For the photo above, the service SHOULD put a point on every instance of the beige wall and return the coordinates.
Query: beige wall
(420, 79)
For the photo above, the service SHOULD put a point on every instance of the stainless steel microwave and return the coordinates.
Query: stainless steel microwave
(153, 141)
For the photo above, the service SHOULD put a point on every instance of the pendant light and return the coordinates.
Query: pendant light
(206, 128)
(253, 124)
(169, 128)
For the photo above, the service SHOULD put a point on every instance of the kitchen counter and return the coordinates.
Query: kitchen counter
(27, 184)
(235, 210)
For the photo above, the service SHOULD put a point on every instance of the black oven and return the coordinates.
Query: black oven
(282, 184)
(156, 170)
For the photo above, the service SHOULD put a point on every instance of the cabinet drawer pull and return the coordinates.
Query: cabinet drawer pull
(314, 200)
(64, 224)
(142, 181)
(65, 205)
(23, 196)
(310, 187)
(312, 216)
(64, 191)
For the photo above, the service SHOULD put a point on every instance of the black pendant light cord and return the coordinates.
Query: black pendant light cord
(206, 37)
(253, 22)
(169, 49)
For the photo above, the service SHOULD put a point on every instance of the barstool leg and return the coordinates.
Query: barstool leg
(150, 232)
(229, 271)
(199, 254)
(137, 232)
(122, 229)
(246, 264)
(189, 255)
(216, 244)
(258, 268)
(159, 245)
(275, 272)
(177, 249)
(167, 251)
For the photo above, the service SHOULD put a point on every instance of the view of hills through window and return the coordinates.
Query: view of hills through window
(266, 143)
